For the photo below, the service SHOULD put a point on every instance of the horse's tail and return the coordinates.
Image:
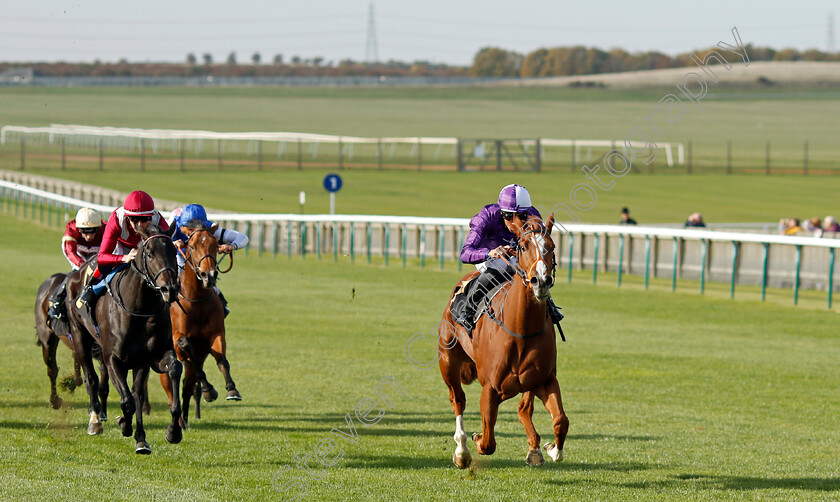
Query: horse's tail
(468, 373)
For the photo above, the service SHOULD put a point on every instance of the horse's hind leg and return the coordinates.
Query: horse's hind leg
(82, 347)
(549, 394)
(104, 390)
(526, 411)
(450, 367)
(141, 379)
(48, 351)
(218, 350)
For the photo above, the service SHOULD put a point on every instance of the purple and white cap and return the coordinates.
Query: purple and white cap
(514, 198)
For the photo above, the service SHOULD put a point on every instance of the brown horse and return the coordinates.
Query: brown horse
(134, 333)
(198, 321)
(512, 351)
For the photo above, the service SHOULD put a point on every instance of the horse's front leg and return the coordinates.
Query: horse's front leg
(486, 441)
(141, 377)
(218, 350)
(119, 377)
(104, 390)
(526, 411)
(549, 394)
(170, 365)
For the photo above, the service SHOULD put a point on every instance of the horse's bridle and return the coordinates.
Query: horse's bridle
(528, 276)
(188, 258)
(144, 272)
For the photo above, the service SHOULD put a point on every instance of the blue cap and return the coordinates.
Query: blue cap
(192, 212)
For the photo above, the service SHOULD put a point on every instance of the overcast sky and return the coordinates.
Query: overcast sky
(441, 31)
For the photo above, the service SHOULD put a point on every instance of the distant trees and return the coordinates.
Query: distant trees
(579, 60)
(208, 58)
(256, 58)
(191, 59)
(231, 59)
(278, 59)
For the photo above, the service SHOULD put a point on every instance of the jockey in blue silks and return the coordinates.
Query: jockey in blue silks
(229, 240)
(489, 245)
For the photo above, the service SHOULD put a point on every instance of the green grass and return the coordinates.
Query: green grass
(670, 396)
(749, 120)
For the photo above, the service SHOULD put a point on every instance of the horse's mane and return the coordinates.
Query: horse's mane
(196, 224)
(150, 230)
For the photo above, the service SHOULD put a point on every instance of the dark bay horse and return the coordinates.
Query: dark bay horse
(512, 352)
(49, 337)
(198, 322)
(134, 333)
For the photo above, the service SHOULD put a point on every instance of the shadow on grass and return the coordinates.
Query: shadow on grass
(445, 461)
(741, 483)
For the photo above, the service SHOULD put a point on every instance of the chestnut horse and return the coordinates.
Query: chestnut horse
(198, 321)
(133, 332)
(512, 351)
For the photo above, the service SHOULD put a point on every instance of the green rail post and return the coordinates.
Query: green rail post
(676, 255)
(620, 257)
(460, 246)
(595, 260)
(335, 241)
(703, 267)
(260, 240)
(422, 246)
(647, 260)
(289, 239)
(734, 268)
(247, 232)
(352, 242)
(318, 239)
(275, 234)
(442, 235)
(49, 213)
(571, 255)
(830, 274)
(404, 243)
(368, 232)
(41, 209)
(764, 255)
(303, 239)
(25, 206)
(387, 243)
(796, 279)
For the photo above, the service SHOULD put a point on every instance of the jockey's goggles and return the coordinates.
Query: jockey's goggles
(508, 215)
(140, 219)
(88, 230)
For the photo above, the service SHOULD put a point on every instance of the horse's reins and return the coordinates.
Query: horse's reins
(527, 278)
(144, 274)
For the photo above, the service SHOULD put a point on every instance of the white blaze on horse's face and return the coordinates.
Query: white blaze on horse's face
(541, 270)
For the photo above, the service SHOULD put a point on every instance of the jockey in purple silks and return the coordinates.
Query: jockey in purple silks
(490, 239)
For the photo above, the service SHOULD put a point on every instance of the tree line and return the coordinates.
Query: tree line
(579, 60)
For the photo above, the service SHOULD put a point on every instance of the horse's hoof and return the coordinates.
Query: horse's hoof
(554, 452)
(463, 461)
(125, 426)
(233, 395)
(56, 402)
(94, 429)
(173, 434)
(535, 458)
(142, 448)
(209, 395)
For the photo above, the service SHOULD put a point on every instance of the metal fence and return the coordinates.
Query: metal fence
(735, 258)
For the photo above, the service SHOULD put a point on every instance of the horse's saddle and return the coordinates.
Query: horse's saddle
(464, 292)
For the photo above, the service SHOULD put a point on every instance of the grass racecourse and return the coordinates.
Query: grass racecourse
(671, 396)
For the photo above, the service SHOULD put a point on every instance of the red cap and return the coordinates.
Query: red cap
(139, 203)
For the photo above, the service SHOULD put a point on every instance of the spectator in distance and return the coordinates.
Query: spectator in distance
(695, 220)
(625, 217)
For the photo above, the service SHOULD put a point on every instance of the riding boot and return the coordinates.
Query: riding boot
(224, 303)
(486, 281)
(86, 302)
(56, 301)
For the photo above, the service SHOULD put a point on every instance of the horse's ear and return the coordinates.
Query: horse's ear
(214, 228)
(549, 224)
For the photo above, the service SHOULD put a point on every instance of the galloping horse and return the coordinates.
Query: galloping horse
(133, 332)
(50, 335)
(512, 351)
(198, 322)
